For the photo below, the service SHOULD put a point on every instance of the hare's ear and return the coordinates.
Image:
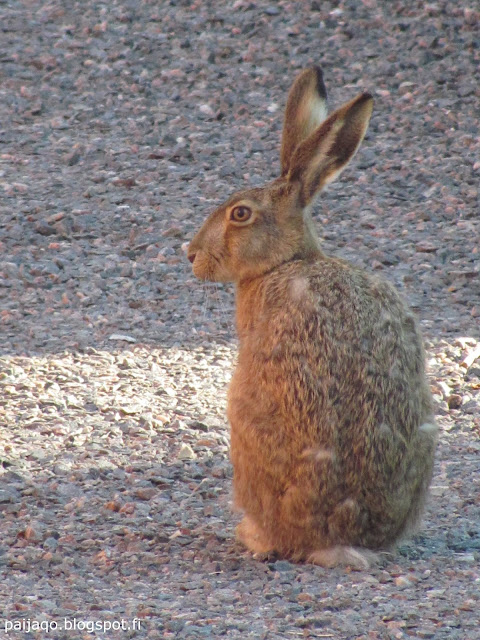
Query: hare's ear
(306, 109)
(326, 152)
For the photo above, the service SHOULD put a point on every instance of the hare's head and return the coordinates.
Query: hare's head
(258, 229)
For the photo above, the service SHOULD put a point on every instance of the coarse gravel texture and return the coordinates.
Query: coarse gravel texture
(122, 125)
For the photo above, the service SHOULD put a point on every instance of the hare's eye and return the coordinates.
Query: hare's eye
(240, 214)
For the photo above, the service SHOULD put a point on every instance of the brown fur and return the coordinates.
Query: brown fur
(332, 432)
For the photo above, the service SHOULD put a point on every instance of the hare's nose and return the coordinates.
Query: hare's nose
(191, 257)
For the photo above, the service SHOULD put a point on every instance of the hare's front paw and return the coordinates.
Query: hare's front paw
(253, 536)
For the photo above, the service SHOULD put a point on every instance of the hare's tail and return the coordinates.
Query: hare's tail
(359, 559)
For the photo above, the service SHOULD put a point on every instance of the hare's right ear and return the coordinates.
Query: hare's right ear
(326, 152)
(306, 109)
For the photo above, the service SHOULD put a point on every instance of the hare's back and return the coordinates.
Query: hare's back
(364, 311)
(355, 335)
(348, 305)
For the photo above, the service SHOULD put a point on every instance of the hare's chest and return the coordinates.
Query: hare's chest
(250, 395)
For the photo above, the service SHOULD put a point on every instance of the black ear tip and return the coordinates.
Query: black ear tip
(368, 100)
(362, 101)
(321, 89)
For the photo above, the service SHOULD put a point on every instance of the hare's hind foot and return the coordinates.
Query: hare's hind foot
(253, 537)
(358, 559)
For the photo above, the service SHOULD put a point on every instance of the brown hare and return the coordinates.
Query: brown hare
(332, 428)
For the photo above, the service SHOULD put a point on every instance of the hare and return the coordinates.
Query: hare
(332, 428)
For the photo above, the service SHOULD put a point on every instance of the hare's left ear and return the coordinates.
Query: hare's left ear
(305, 111)
(322, 156)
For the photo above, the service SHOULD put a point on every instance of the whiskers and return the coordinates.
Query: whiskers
(215, 315)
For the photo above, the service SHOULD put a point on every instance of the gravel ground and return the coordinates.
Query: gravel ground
(122, 124)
